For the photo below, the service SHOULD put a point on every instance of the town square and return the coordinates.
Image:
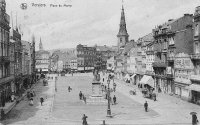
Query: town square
(93, 63)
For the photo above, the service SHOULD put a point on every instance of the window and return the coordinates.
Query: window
(171, 40)
(197, 47)
(196, 30)
(120, 40)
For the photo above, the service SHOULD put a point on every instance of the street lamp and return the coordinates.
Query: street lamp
(108, 94)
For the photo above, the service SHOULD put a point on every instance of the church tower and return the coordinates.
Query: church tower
(122, 34)
(40, 45)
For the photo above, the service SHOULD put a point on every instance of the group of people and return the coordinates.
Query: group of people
(82, 97)
(30, 95)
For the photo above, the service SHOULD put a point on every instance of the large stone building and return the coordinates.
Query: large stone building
(42, 59)
(194, 88)
(104, 53)
(86, 57)
(15, 38)
(171, 38)
(6, 79)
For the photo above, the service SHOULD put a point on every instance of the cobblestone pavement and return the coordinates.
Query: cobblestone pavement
(67, 109)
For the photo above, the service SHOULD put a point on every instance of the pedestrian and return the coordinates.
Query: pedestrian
(114, 86)
(194, 119)
(34, 93)
(106, 96)
(69, 88)
(155, 97)
(41, 100)
(114, 99)
(31, 102)
(146, 106)
(80, 95)
(31, 93)
(105, 87)
(84, 118)
(28, 95)
(84, 98)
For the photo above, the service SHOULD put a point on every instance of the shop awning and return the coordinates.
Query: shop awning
(147, 80)
(44, 69)
(193, 87)
(127, 76)
(133, 76)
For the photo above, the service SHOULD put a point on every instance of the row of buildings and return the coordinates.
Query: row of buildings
(17, 60)
(170, 54)
(81, 59)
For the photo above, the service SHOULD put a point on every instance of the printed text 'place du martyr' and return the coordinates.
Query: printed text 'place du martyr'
(50, 5)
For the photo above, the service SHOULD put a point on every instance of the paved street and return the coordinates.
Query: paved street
(23, 113)
(66, 108)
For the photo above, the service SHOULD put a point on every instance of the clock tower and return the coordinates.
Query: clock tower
(122, 35)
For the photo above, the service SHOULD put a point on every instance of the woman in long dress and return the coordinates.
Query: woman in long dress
(31, 102)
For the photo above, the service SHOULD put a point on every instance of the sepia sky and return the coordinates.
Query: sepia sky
(91, 22)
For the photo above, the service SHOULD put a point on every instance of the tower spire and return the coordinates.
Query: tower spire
(122, 34)
(40, 45)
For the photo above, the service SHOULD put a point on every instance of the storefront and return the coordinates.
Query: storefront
(182, 91)
(5, 93)
(195, 93)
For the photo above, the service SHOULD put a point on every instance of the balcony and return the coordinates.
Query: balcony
(4, 59)
(195, 56)
(195, 78)
(6, 79)
(159, 64)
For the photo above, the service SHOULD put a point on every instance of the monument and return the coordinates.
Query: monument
(97, 95)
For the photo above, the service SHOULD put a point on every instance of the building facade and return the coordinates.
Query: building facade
(183, 69)
(15, 37)
(42, 59)
(86, 57)
(195, 78)
(171, 38)
(5, 75)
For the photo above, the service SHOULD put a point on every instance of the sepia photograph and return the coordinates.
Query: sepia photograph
(99, 62)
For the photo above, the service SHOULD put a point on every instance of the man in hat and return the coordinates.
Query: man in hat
(80, 95)
(146, 106)
(194, 118)
(41, 100)
(84, 118)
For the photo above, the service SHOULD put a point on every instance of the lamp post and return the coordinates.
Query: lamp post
(108, 93)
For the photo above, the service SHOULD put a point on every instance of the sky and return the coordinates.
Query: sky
(91, 22)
